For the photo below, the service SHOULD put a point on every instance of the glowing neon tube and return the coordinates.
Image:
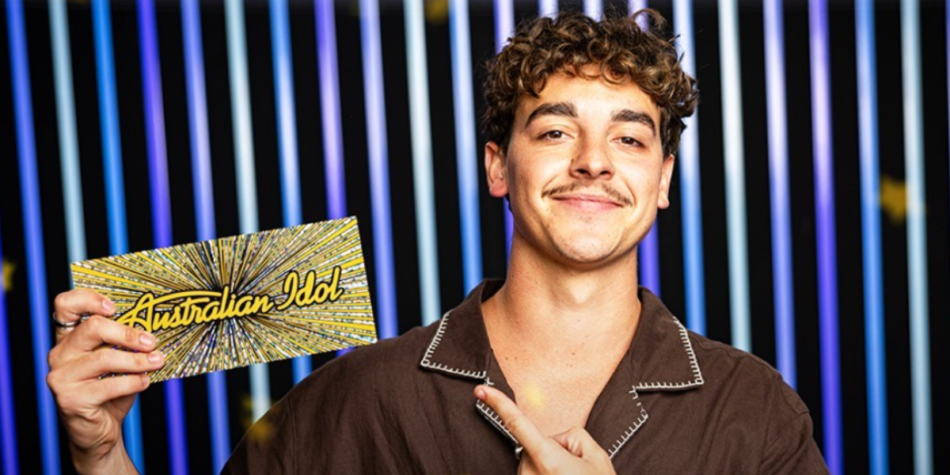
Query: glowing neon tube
(504, 28)
(422, 161)
(778, 180)
(735, 175)
(378, 166)
(204, 206)
(287, 133)
(115, 188)
(634, 6)
(161, 206)
(871, 239)
(593, 9)
(548, 8)
(330, 109)
(465, 145)
(825, 228)
(7, 415)
(66, 120)
(244, 164)
(688, 158)
(916, 237)
(33, 233)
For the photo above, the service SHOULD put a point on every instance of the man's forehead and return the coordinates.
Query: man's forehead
(561, 90)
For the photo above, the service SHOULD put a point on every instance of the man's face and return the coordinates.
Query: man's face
(584, 171)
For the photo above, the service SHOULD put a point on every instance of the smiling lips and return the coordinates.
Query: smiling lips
(588, 201)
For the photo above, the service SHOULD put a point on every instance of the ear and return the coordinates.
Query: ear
(496, 170)
(666, 176)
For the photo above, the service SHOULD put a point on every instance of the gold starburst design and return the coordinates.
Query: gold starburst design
(8, 269)
(242, 300)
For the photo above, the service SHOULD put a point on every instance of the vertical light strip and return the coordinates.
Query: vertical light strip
(378, 166)
(203, 185)
(825, 228)
(735, 174)
(8, 449)
(115, 187)
(689, 182)
(916, 237)
(66, 120)
(161, 206)
(420, 126)
(593, 8)
(287, 133)
(782, 283)
(330, 109)
(871, 238)
(465, 146)
(634, 6)
(244, 164)
(548, 8)
(33, 232)
(504, 28)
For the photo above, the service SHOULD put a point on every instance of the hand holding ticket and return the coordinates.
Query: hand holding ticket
(242, 300)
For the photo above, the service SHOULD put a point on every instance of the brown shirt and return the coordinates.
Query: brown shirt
(678, 403)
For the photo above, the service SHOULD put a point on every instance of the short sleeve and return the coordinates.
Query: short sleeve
(792, 449)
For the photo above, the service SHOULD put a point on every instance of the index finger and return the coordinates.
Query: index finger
(515, 421)
(98, 330)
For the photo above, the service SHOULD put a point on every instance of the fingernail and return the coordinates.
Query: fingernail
(145, 379)
(108, 306)
(147, 339)
(155, 357)
(480, 393)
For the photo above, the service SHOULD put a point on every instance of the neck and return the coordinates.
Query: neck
(549, 309)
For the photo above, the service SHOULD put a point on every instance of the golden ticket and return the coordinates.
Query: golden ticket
(242, 300)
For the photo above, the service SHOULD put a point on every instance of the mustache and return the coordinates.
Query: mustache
(571, 187)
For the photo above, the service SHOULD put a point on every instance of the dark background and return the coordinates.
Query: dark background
(932, 32)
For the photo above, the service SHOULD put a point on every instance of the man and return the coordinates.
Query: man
(583, 120)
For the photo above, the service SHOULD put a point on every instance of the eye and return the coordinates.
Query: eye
(630, 141)
(553, 135)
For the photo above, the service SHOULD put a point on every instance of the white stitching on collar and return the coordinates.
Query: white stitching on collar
(427, 358)
(496, 421)
(698, 375)
(633, 428)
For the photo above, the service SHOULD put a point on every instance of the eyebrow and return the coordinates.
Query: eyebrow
(627, 115)
(565, 109)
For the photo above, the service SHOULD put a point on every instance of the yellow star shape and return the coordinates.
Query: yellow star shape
(8, 268)
(894, 199)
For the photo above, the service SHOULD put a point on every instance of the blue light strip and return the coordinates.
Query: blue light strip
(330, 109)
(420, 126)
(689, 182)
(465, 145)
(287, 133)
(378, 167)
(504, 28)
(33, 233)
(778, 181)
(593, 9)
(735, 174)
(244, 164)
(204, 205)
(66, 120)
(916, 237)
(825, 228)
(871, 239)
(548, 8)
(161, 206)
(115, 188)
(8, 444)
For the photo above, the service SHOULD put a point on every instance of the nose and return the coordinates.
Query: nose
(592, 161)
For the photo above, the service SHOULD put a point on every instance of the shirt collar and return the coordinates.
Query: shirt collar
(661, 357)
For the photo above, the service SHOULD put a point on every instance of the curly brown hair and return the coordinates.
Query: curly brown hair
(565, 44)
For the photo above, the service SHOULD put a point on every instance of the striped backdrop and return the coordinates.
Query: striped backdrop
(810, 222)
